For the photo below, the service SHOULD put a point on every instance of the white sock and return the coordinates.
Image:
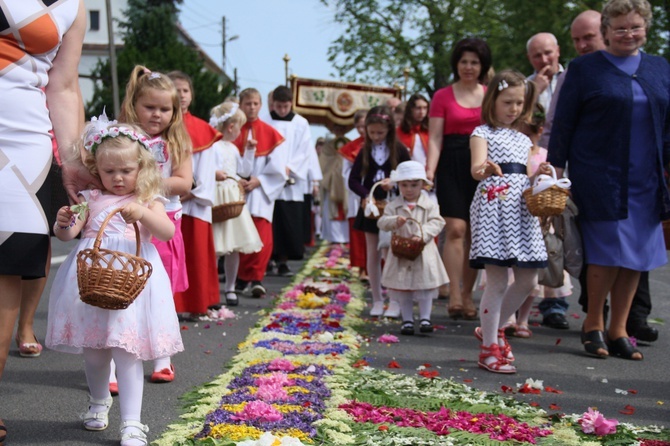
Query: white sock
(231, 265)
(425, 300)
(491, 302)
(161, 363)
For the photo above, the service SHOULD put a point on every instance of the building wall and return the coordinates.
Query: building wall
(90, 55)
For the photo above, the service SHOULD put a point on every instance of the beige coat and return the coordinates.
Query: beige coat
(426, 271)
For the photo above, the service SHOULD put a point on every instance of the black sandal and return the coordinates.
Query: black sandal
(594, 341)
(624, 348)
(232, 301)
(426, 326)
(407, 328)
(3, 433)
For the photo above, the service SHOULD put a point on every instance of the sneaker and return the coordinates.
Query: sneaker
(163, 376)
(269, 270)
(393, 310)
(257, 289)
(241, 285)
(284, 271)
(377, 309)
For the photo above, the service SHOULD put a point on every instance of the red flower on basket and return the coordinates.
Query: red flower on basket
(492, 192)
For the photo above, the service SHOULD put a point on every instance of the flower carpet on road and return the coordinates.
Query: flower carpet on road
(300, 379)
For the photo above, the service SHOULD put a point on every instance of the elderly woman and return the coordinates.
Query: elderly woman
(454, 113)
(612, 127)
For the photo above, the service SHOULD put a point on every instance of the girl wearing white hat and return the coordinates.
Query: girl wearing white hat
(413, 216)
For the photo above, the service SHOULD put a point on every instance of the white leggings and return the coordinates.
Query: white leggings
(424, 299)
(129, 374)
(501, 300)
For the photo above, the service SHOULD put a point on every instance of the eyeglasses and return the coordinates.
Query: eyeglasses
(634, 31)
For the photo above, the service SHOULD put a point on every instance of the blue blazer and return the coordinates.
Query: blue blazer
(592, 127)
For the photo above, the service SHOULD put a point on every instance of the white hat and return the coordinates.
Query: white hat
(410, 170)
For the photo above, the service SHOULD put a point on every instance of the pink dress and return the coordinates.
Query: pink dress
(148, 328)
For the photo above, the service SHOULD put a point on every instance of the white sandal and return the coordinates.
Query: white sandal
(136, 431)
(97, 421)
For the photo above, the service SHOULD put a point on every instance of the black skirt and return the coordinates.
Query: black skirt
(454, 185)
(362, 223)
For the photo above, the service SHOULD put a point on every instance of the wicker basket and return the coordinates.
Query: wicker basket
(111, 279)
(407, 247)
(666, 234)
(380, 204)
(227, 211)
(550, 201)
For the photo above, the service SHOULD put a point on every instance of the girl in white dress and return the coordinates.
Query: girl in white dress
(235, 235)
(120, 156)
(504, 233)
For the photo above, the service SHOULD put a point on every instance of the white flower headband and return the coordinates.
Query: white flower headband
(503, 84)
(102, 128)
(215, 121)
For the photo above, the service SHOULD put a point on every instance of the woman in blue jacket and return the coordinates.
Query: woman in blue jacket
(612, 128)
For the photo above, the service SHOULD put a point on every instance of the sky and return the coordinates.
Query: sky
(266, 30)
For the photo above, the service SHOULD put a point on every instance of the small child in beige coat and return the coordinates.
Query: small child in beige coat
(418, 279)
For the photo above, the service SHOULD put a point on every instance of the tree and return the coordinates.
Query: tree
(150, 39)
(384, 36)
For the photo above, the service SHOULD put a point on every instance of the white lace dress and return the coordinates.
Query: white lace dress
(148, 328)
(236, 234)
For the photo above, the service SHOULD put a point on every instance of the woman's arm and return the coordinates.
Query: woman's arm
(65, 105)
(181, 180)
(435, 136)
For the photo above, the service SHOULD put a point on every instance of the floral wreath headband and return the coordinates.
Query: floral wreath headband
(101, 128)
(214, 121)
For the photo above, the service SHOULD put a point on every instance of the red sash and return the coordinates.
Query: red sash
(351, 149)
(202, 134)
(408, 138)
(266, 136)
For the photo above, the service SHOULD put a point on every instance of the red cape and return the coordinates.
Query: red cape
(266, 136)
(202, 134)
(408, 138)
(351, 149)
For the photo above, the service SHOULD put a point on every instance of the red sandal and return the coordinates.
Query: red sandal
(506, 349)
(500, 365)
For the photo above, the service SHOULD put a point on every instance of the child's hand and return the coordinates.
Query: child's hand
(132, 212)
(416, 238)
(65, 217)
(386, 184)
(251, 144)
(490, 168)
(401, 220)
(544, 168)
(250, 184)
(221, 175)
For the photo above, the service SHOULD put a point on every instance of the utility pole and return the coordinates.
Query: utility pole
(235, 81)
(112, 59)
(223, 43)
(286, 61)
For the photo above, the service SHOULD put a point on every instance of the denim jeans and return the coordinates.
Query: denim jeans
(550, 305)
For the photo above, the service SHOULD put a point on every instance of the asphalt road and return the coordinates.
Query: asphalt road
(41, 399)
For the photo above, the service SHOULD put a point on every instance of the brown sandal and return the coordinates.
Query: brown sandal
(469, 311)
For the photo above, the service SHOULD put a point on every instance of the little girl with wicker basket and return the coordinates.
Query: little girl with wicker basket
(413, 269)
(234, 229)
(111, 298)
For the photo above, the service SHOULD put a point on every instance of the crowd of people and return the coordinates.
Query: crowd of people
(446, 175)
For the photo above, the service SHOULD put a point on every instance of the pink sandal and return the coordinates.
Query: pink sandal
(500, 365)
(29, 349)
(522, 331)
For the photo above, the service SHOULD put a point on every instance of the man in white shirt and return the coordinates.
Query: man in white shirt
(543, 53)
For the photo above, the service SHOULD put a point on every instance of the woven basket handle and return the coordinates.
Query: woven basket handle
(371, 197)
(101, 231)
(417, 223)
